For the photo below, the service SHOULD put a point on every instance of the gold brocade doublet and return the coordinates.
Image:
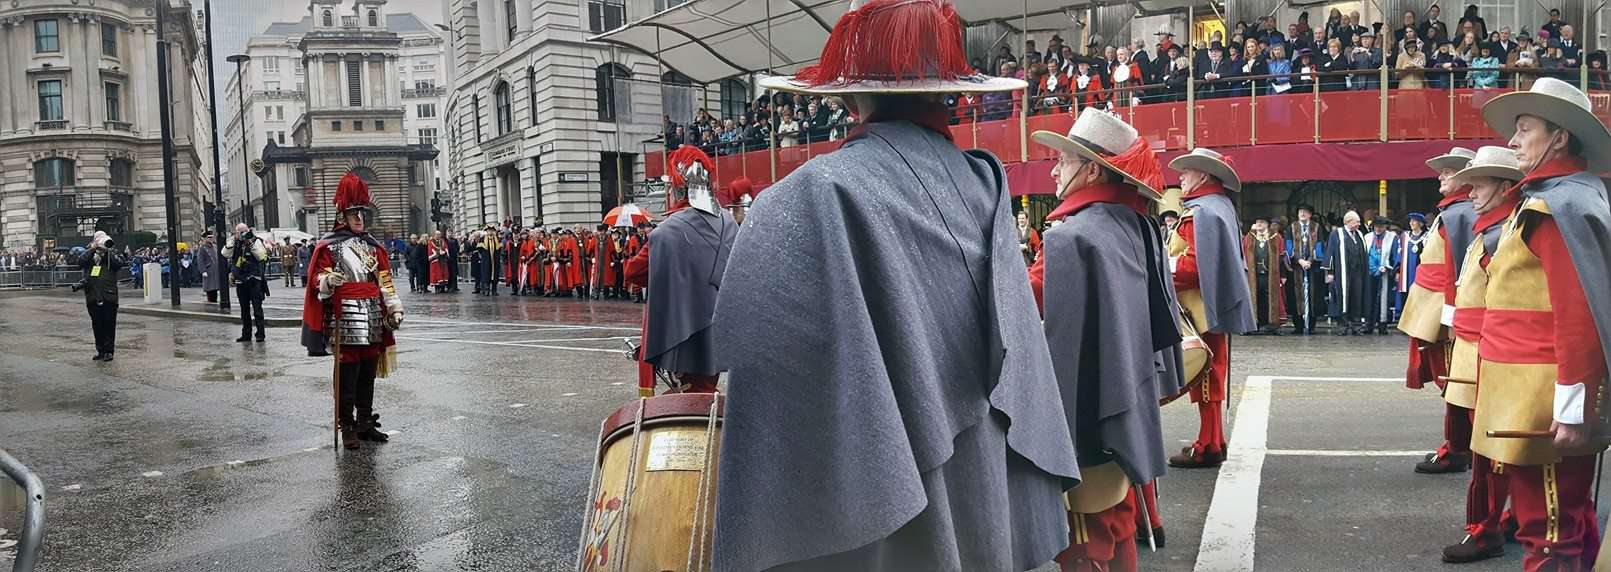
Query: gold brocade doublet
(1469, 306)
(1515, 394)
(1422, 317)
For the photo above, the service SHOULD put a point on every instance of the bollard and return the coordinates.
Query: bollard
(151, 273)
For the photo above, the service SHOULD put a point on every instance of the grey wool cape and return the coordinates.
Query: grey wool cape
(1111, 328)
(1221, 271)
(889, 403)
(1457, 221)
(687, 254)
(207, 263)
(1579, 205)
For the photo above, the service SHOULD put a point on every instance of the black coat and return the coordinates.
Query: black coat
(1325, 63)
(101, 286)
(1217, 88)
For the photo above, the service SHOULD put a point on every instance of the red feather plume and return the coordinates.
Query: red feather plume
(685, 156)
(1140, 162)
(352, 192)
(892, 40)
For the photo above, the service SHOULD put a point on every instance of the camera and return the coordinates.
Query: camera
(80, 285)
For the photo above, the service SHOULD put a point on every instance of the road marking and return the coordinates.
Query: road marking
(1341, 453)
(1228, 532)
(619, 383)
(150, 474)
(68, 488)
(512, 344)
(310, 449)
(1304, 378)
(506, 324)
(568, 395)
(235, 462)
(392, 432)
(458, 417)
(516, 405)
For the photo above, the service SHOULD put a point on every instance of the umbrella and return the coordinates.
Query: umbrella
(628, 215)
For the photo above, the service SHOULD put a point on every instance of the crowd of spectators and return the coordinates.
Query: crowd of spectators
(12, 260)
(1420, 51)
(795, 119)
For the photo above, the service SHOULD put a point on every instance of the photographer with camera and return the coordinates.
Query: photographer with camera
(248, 256)
(101, 264)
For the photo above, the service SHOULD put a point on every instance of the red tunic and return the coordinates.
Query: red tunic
(439, 263)
(314, 309)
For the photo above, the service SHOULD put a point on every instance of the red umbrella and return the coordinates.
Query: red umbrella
(628, 215)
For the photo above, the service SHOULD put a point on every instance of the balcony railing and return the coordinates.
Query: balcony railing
(49, 125)
(118, 125)
(437, 91)
(1236, 112)
(279, 94)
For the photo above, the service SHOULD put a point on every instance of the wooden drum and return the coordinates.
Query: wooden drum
(652, 503)
(1194, 359)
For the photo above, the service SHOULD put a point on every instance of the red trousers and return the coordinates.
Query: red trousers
(1486, 496)
(1456, 429)
(1103, 541)
(698, 383)
(1554, 504)
(1428, 362)
(1210, 394)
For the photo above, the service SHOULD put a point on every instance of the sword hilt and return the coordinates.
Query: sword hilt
(1448, 379)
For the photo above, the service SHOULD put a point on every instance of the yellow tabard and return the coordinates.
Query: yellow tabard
(1423, 308)
(1191, 301)
(1516, 397)
(1463, 359)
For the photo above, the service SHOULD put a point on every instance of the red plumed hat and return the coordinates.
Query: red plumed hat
(685, 156)
(352, 193)
(894, 46)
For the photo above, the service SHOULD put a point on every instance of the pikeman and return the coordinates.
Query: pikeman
(1429, 309)
(1211, 281)
(887, 407)
(691, 250)
(1542, 363)
(1490, 176)
(1109, 322)
(350, 309)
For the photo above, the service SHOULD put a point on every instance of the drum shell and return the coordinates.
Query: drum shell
(1195, 357)
(655, 527)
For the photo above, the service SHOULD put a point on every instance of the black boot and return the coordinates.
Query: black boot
(369, 430)
(1473, 549)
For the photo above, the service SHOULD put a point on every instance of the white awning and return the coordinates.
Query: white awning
(710, 40)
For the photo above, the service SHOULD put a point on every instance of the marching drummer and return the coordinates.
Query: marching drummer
(1103, 347)
(1211, 280)
(693, 244)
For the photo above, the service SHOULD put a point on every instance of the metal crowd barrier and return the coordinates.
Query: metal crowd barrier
(33, 523)
(57, 277)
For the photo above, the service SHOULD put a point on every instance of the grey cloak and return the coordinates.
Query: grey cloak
(889, 404)
(1581, 210)
(1221, 271)
(687, 254)
(207, 263)
(1111, 328)
(1458, 220)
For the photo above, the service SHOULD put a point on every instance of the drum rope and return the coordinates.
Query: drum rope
(631, 486)
(592, 510)
(696, 535)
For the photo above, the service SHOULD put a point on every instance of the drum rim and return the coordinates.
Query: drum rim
(661, 407)
(605, 441)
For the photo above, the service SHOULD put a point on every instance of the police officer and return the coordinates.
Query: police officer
(101, 265)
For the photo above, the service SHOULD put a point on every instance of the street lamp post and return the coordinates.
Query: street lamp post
(166, 123)
(246, 157)
(219, 206)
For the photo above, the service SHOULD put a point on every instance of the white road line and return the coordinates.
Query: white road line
(70, 488)
(458, 417)
(1228, 533)
(150, 474)
(516, 405)
(392, 432)
(511, 344)
(437, 332)
(548, 340)
(1303, 378)
(310, 449)
(568, 395)
(1341, 453)
(506, 324)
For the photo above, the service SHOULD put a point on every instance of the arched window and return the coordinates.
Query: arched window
(613, 88)
(53, 173)
(374, 19)
(506, 112)
(678, 96)
(735, 98)
(329, 19)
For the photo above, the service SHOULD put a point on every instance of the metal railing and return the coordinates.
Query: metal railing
(33, 520)
(32, 279)
(50, 124)
(437, 91)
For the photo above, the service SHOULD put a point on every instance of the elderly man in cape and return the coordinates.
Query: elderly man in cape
(690, 253)
(1491, 177)
(1115, 343)
(1211, 278)
(1542, 362)
(887, 401)
(1429, 309)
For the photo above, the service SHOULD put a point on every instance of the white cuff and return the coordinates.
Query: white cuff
(1569, 403)
(1447, 318)
(1174, 262)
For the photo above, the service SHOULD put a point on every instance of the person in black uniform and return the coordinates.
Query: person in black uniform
(248, 256)
(101, 265)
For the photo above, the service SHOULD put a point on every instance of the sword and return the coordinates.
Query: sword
(335, 383)
(1146, 519)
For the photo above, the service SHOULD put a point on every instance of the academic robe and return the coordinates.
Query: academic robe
(531, 271)
(439, 262)
(1347, 264)
(561, 264)
(574, 273)
(887, 399)
(1273, 308)
(1308, 287)
(604, 269)
(1381, 253)
(1409, 260)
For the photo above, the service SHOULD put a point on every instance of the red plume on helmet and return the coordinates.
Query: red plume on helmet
(352, 193)
(685, 156)
(892, 40)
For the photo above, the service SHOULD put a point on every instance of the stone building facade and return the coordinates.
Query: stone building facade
(80, 139)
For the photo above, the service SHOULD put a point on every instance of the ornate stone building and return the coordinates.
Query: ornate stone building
(80, 144)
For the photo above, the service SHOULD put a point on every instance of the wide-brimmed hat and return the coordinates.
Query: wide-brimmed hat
(1455, 159)
(1211, 162)
(1103, 137)
(858, 58)
(1163, 30)
(1559, 103)
(1496, 162)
